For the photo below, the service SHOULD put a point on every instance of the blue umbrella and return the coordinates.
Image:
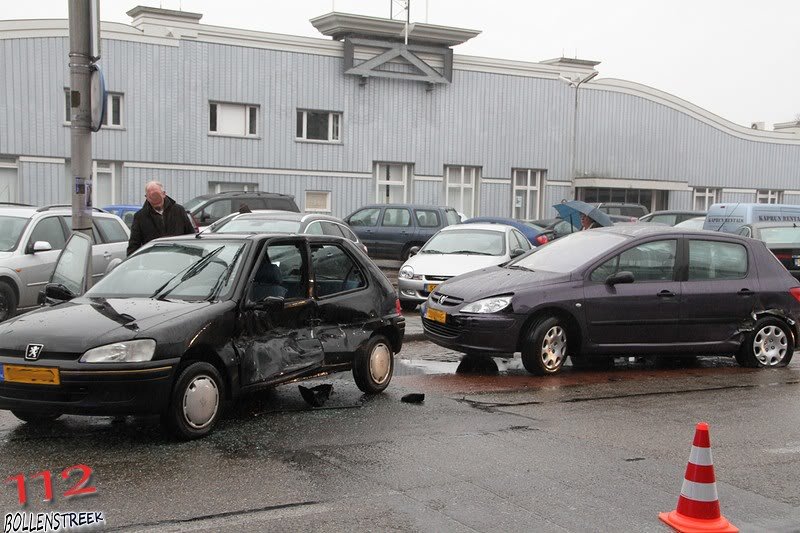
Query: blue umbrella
(573, 210)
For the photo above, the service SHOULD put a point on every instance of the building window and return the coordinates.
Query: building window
(704, 197)
(318, 126)
(318, 201)
(235, 120)
(392, 183)
(113, 116)
(527, 195)
(769, 197)
(460, 188)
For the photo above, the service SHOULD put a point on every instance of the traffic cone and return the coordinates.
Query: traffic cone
(698, 504)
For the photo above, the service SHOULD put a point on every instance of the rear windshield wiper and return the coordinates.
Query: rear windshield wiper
(472, 252)
(520, 267)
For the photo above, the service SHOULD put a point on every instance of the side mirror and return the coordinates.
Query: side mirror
(516, 252)
(270, 303)
(205, 217)
(40, 246)
(112, 265)
(623, 276)
(414, 250)
(54, 293)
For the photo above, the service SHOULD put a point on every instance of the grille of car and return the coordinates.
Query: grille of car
(437, 278)
(449, 301)
(442, 330)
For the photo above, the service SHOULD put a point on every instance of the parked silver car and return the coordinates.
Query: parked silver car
(31, 239)
(456, 250)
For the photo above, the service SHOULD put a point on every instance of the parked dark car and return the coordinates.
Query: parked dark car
(536, 235)
(209, 208)
(624, 290)
(391, 230)
(188, 323)
(285, 222)
(782, 239)
(623, 209)
(672, 216)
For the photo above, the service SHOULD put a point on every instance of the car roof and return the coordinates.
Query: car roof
(244, 193)
(644, 229)
(411, 206)
(478, 226)
(29, 211)
(676, 212)
(123, 206)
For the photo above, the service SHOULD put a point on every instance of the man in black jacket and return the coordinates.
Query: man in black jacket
(160, 216)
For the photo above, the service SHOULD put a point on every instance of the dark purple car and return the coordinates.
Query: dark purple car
(624, 290)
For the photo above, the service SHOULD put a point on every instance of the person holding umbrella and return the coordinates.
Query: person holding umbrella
(588, 222)
(582, 215)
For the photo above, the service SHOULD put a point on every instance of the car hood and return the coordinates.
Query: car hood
(451, 264)
(6, 255)
(83, 323)
(495, 280)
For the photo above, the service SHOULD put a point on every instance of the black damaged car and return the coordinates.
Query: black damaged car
(624, 291)
(189, 323)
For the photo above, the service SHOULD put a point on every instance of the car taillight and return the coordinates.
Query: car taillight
(397, 306)
(541, 239)
(783, 257)
(795, 291)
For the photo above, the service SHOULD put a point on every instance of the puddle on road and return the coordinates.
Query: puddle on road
(450, 364)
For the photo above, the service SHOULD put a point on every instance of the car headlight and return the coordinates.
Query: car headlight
(488, 305)
(406, 272)
(121, 352)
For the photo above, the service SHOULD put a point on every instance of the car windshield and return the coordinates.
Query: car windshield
(480, 242)
(10, 230)
(452, 216)
(245, 224)
(175, 270)
(570, 252)
(782, 235)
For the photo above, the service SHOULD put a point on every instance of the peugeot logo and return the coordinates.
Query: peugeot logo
(33, 351)
(442, 299)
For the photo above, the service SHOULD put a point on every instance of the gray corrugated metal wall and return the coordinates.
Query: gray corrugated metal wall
(743, 197)
(494, 121)
(680, 200)
(43, 183)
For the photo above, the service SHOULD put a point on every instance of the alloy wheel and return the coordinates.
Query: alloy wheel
(554, 348)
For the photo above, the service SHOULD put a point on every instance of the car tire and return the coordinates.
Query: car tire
(35, 418)
(405, 254)
(373, 365)
(8, 301)
(196, 401)
(407, 305)
(769, 345)
(545, 348)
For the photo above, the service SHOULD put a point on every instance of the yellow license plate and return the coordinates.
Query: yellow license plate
(35, 375)
(436, 315)
(430, 287)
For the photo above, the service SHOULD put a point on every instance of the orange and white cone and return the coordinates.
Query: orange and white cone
(698, 504)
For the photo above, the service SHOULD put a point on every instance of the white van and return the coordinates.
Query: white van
(729, 217)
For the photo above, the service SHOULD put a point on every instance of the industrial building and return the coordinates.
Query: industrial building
(371, 111)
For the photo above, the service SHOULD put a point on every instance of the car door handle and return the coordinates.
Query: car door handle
(666, 294)
(107, 255)
(745, 292)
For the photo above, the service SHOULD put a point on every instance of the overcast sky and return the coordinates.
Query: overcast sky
(739, 59)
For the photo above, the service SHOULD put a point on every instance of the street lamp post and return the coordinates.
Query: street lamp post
(573, 145)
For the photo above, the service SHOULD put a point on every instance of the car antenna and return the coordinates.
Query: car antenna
(725, 220)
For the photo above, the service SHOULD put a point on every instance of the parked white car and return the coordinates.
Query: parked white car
(453, 251)
(31, 239)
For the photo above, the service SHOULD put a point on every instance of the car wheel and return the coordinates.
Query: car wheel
(769, 345)
(545, 348)
(373, 365)
(407, 305)
(405, 254)
(8, 302)
(196, 403)
(35, 418)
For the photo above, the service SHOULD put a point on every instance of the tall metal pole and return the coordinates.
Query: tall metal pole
(573, 170)
(80, 114)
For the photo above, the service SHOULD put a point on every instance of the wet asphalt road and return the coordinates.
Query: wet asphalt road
(583, 451)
